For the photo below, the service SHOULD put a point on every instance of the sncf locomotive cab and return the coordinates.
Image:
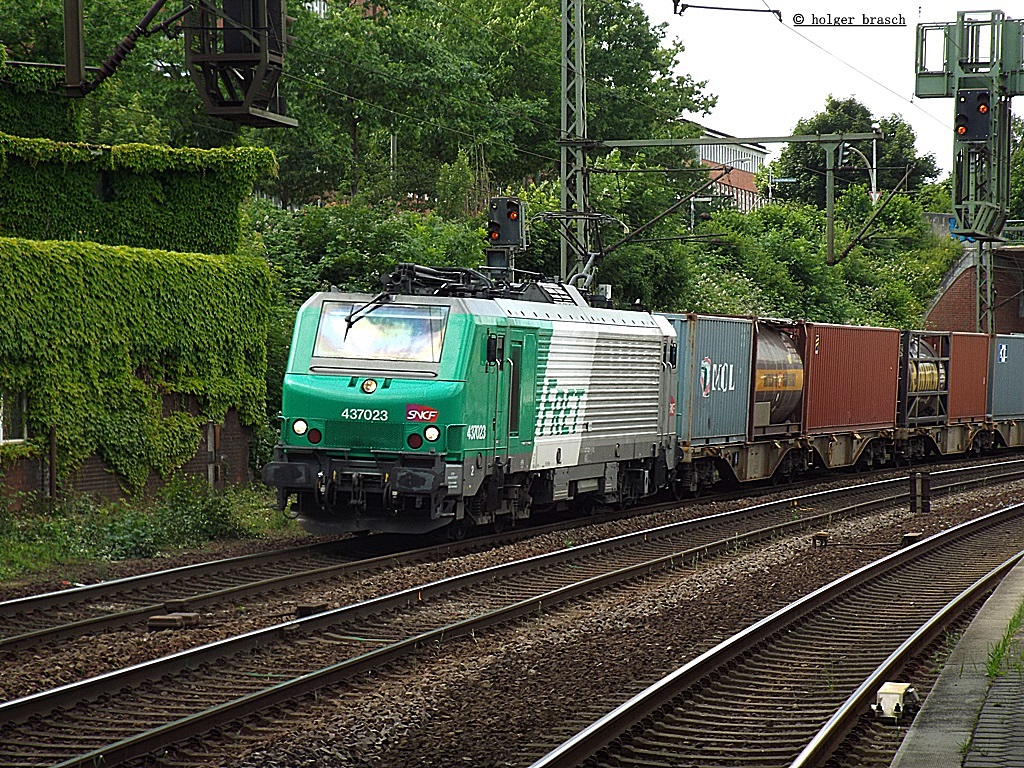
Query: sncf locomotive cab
(375, 411)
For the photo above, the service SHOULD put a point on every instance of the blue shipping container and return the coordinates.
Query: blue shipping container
(713, 401)
(1006, 393)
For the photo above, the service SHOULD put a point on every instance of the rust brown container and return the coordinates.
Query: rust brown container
(851, 376)
(968, 377)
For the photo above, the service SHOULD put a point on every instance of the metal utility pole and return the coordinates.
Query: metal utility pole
(74, 49)
(979, 62)
(573, 137)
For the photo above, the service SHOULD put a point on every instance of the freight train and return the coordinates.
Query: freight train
(450, 401)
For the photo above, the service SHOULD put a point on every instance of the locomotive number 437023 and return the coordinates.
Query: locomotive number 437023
(365, 414)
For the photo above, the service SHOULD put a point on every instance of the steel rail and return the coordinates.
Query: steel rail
(629, 715)
(64, 697)
(39, 703)
(126, 587)
(835, 731)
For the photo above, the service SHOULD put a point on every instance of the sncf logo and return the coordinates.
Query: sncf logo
(420, 413)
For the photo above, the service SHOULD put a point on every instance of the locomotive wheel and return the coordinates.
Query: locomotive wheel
(501, 523)
(679, 489)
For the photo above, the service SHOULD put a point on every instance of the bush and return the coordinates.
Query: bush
(187, 513)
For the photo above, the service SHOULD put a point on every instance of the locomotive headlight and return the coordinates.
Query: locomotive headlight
(432, 433)
(370, 386)
(299, 427)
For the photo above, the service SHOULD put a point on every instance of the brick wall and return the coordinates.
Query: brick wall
(956, 309)
(222, 457)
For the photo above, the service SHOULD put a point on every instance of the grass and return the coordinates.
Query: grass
(186, 514)
(1007, 654)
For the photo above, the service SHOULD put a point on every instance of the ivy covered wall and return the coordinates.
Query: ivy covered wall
(132, 194)
(98, 335)
(32, 103)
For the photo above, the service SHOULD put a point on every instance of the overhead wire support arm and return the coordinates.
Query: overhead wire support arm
(678, 8)
(710, 142)
(667, 212)
(874, 214)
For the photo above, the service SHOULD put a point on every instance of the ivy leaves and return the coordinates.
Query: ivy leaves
(105, 338)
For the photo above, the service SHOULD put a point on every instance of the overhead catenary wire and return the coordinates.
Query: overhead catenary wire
(863, 74)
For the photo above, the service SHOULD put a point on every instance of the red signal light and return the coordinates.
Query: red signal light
(983, 108)
(961, 125)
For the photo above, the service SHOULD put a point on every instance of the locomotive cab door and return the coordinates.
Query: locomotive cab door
(511, 386)
(498, 379)
(521, 362)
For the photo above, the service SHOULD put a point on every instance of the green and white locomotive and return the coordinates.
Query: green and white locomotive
(449, 400)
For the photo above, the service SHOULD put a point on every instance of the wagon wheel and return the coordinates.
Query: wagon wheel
(680, 487)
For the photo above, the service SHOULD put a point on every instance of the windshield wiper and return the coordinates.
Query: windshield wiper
(360, 312)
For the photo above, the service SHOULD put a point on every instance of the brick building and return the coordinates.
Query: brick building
(744, 160)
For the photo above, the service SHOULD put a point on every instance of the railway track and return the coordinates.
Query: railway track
(787, 690)
(32, 621)
(115, 717)
(28, 622)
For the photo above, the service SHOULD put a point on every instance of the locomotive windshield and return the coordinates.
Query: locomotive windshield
(388, 332)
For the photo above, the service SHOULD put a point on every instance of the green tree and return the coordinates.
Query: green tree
(805, 161)
(632, 89)
(772, 262)
(1016, 206)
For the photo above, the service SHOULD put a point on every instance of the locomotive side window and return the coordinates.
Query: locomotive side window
(386, 332)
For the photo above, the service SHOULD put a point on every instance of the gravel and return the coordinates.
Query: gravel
(507, 697)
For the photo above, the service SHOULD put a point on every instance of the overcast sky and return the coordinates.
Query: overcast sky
(767, 74)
